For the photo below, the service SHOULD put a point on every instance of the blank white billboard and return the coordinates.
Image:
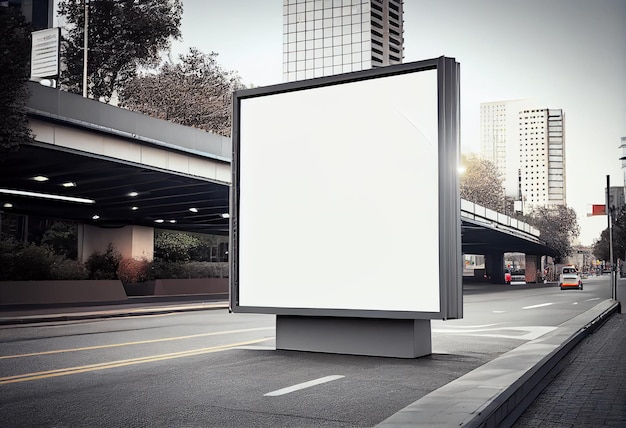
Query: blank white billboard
(337, 197)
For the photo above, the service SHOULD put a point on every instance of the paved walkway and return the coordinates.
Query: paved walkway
(590, 391)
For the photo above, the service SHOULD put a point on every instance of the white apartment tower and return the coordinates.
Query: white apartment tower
(527, 146)
(542, 157)
(327, 37)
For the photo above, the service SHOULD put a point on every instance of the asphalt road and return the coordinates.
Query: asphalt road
(212, 368)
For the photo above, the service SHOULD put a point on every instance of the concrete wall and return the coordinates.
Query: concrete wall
(60, 292)
(130, 241)
(168, 287)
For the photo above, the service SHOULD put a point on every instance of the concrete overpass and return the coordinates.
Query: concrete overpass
(117, 173)
(180, 175)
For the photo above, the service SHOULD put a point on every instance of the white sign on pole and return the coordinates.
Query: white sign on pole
(45, 53)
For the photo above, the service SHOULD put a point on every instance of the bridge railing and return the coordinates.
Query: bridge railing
(477, 212)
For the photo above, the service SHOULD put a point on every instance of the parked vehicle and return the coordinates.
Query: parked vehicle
(514, 276)
(570, 278)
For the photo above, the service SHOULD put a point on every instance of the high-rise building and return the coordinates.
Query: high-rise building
(542, 157)
(327, 37)
(527, 146)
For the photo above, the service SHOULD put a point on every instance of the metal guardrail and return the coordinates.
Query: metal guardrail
(474, 211)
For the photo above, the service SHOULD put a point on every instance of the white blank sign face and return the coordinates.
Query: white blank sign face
(338, 196)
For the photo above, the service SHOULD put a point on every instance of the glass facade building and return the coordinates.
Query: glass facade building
(327, 37)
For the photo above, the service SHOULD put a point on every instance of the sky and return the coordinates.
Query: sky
(563, 54)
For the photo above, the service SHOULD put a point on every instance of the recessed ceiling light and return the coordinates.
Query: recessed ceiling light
(47, 196)
(133, 194)
(225, 215)
(69, 184)
(40, 178)
(193, 210)
(95, 217)
(134, 208)
(7, 205)
(159, 220)
(172, 221)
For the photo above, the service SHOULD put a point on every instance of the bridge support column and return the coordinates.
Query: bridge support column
(494, 265)
(533, 268)
(130, 241)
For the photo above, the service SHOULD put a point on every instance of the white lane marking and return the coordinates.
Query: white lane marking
(591, 300)
(541, 305)
(303, 385)
(575, 303)
(498, 312)
(450, 324)
(519, 332)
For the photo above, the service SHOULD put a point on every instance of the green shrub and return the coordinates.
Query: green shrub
(178, 270)
(206, 270)
(68, 269)
(61, 237)
(131, 270)
(32, 263)
(104, 265)
(9, 249)
(168, 270)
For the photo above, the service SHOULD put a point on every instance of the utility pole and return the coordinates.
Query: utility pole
(609, 216)
(85, 47)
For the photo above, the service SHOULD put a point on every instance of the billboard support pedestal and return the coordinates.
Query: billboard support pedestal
(380, 337)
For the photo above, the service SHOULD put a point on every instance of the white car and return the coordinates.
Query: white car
(570, 278)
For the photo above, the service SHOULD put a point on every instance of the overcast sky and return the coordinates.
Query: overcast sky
(567, 54)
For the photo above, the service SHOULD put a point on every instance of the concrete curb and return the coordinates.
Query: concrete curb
(499, 391)
(111, 313)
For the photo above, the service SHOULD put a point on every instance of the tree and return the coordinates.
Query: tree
(558, 226)
(123, 35)
(480, 183)
(14, 75)
(174, 246)
(195, 91)
(601, 249)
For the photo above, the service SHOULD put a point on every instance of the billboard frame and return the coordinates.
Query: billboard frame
(450, 263)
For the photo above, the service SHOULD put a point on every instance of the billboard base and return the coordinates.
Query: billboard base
(380, 337)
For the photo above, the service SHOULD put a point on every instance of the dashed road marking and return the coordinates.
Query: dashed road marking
(303, 385)
(508, 332)
(541, 305)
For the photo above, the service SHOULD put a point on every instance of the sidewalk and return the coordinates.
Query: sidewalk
(590, 390)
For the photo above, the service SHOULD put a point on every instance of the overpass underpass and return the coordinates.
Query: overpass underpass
(108, 152)
(492, 234)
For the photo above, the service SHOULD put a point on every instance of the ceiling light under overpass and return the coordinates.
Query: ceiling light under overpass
(48, 196)
(40, 178)
(225, 215)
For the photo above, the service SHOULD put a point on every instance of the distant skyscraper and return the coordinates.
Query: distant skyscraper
(527, 146)
(326, 37)
(542, 157)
